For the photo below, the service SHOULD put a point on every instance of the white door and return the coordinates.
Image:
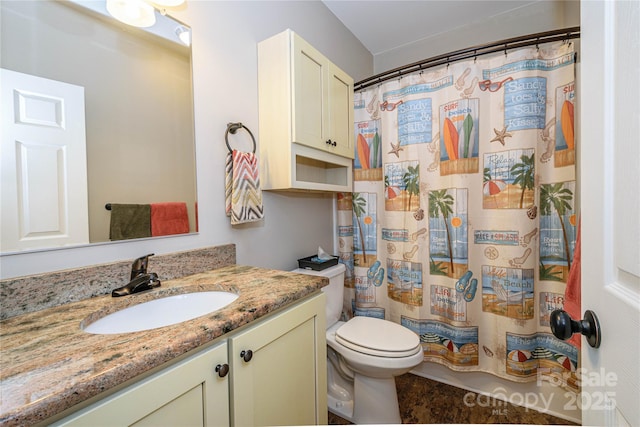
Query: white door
(610, 191)
(44, 163)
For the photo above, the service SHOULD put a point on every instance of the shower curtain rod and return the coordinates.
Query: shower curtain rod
(472, 52)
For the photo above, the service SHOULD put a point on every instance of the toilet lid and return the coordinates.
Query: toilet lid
(378, 337)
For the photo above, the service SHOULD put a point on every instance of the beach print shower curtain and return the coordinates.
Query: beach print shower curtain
(462, 223)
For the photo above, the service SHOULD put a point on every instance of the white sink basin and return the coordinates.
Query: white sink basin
(161, 312)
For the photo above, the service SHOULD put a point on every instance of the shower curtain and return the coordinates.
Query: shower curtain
(462, 221)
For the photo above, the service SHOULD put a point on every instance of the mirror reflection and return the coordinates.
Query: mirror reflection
(137, 102)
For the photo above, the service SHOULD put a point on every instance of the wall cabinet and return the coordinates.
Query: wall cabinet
(306, 117)
(276, 376)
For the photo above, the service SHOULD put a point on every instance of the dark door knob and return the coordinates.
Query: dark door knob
(222, 370)
(246, 355)
(563, 326)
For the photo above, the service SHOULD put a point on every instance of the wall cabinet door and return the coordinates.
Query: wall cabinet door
(284, 380)
(341, 111)
(190, 393)
(322, 101)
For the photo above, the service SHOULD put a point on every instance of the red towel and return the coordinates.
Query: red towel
(169, 218)
(572, 293)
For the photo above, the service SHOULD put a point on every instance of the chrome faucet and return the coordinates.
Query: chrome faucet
(140, 279)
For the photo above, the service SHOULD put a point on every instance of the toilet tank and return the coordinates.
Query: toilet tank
(334, 291)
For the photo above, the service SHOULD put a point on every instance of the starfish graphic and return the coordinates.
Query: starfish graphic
(501, 135)
(396, 149)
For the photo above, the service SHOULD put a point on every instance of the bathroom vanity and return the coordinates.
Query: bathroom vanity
(259, 360)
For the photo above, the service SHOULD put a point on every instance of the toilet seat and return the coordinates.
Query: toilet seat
(378, 337)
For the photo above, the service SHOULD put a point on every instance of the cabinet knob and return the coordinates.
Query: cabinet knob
(246, 355)
(222, 370)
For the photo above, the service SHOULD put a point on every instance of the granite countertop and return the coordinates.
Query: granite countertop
(48, 364)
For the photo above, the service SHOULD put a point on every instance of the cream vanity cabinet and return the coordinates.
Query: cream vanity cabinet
(283, 380)
(189, 393)
(272, 372)
(306, 117)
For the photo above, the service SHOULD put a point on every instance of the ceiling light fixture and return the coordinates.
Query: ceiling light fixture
(184, 34)
(167, 3)
(132, 12)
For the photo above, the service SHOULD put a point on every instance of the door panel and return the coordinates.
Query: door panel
(43, 147)
(341, 111)
(283, 382)
(309, 111)
(610, 182)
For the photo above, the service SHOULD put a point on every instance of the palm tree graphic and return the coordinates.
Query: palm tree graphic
(524, 174)
(558, 197)
(486, 176)
(440, 204)
(359, 204)
(411, 180)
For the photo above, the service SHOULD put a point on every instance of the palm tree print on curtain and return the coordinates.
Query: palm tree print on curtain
(364, 229)
(345, 235)
(477, 214)
(448, 231)
(557, 230)
(402, 186)
(508, 179)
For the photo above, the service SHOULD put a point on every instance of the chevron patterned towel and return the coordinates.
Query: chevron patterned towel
(243, 196)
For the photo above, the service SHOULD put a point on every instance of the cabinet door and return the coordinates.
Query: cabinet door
(284, 383)
(310, 95)
(322, 101)
(189, 393)
(341, 112)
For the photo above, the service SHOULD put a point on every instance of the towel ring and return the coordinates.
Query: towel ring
(233, 128)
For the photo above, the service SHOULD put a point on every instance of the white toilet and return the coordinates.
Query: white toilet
(364, 356)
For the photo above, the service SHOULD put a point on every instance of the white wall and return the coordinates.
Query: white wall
(225, 34)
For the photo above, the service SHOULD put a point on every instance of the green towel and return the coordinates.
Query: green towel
(130, 221)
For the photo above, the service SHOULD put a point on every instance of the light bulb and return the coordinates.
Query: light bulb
(167, 3)
(184, 35)
(132, 12)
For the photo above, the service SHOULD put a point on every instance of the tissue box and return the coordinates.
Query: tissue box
(313, 263)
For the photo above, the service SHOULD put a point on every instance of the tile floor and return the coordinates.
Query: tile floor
(424, 401)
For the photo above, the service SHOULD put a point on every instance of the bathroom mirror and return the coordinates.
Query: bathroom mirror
(138, 100)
